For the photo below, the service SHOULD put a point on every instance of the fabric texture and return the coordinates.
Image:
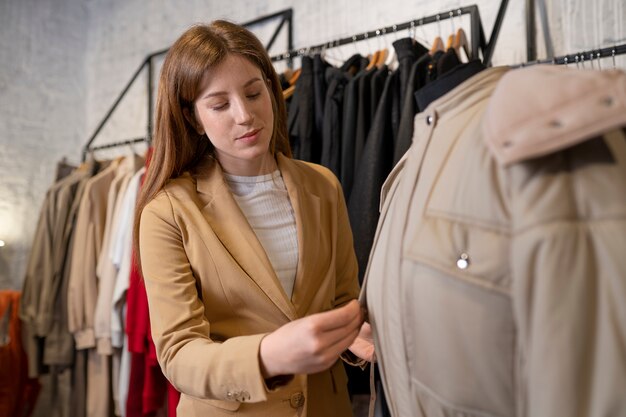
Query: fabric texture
(264, 201)
(496, 284)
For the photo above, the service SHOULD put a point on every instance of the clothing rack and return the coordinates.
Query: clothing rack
(286, 17)
(477, 33)
(581, 58)
(117, 144)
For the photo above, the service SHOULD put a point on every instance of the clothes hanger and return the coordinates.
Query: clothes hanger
(373, 58)
(383, 52)
(437, 44)
(392, 59)
(461, 44)
(451, 36)
(294, 77)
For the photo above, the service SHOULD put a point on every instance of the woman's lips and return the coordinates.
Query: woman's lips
(250, 136)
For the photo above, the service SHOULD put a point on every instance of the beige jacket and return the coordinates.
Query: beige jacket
(213, 294)
(497, 281)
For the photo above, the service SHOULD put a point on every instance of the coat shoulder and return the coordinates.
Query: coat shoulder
(314, 174)
(182, 188)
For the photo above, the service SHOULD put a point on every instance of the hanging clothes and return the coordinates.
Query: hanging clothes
(80, 212)
(18, 391)
(336, 81)
(377, 157)
(505, 224)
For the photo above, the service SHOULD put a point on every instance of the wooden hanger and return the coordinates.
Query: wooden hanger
(450, 41)
(382, 57)
(294, 77)
(288, 92)
(373, 61)
(460, 43)
(288, 73)
(437, 46)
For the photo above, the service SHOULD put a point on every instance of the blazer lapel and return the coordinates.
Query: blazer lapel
(231, 227)
(306, 208)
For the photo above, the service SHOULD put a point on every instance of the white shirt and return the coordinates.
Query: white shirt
(265, 203)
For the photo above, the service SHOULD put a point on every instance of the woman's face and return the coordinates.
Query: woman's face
(234, 109)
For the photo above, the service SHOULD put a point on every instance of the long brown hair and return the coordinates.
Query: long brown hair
(177, 147)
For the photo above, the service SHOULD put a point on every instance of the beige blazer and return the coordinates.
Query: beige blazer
(213, 294)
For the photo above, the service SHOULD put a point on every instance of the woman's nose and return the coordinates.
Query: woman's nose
(243, 113)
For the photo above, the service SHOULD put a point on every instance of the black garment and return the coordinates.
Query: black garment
(363, 119)
(377, 156)
(447, 62)
(408, 51)
(376, 88)
(336, 80)
(373, 168)
(333, 111)
(301, 114)
(284, 82)
(348, 133)
(419, 75)
(447, 82)
(319, 88)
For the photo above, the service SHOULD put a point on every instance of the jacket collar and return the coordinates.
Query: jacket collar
(232, 228)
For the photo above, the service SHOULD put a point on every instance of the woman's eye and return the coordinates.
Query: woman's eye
(253, 96)
(219, 106)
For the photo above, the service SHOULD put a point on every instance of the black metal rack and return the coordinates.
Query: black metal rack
(581, 58)
(148, 63)
(477, 34)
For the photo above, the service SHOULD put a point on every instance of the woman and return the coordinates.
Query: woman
(247, 254)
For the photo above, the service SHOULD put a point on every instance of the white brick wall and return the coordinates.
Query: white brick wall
(64, 62)
(42, 117)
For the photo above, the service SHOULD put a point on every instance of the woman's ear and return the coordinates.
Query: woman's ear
(191, 118)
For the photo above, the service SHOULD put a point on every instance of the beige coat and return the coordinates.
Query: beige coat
(497, 281)
(213, 294)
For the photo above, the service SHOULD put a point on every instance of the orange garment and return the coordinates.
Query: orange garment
(18, 392)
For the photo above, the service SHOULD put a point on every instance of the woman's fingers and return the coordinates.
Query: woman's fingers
(311, 344)
(339, 317)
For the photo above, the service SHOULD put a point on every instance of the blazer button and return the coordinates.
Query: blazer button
(297, 400)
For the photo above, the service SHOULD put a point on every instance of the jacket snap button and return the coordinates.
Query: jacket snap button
(297, 400)
(429, 120)
(463, 261)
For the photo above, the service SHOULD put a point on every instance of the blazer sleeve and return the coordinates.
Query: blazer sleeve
(191, 361)
(346, 264)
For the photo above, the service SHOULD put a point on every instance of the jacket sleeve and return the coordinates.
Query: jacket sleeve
(569, 287)
(192, 362)
(347, 268)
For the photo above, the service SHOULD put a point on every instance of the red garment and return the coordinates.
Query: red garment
(18, 393)
(148, 385)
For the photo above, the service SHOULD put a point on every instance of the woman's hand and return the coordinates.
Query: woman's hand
(363, 345)
(310, 344)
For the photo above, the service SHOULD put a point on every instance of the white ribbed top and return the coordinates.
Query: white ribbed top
(264, 201)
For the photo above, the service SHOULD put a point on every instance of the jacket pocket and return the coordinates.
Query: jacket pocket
(457, 312)
(471, 253)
